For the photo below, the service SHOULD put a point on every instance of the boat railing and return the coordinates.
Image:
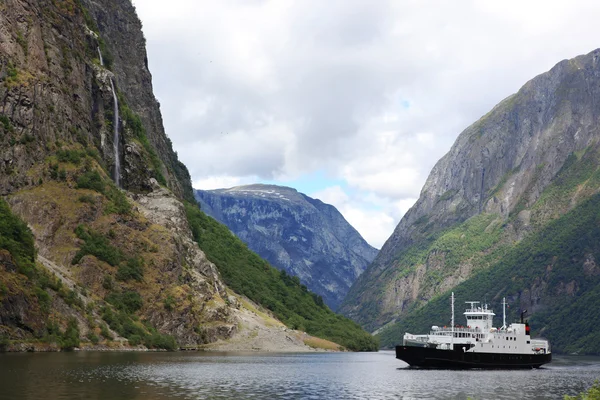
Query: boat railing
(446, 330)
(416, 338)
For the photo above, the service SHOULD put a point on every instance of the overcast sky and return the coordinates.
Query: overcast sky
(348, 101)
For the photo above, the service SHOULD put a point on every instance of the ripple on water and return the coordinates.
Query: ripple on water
(158, 376)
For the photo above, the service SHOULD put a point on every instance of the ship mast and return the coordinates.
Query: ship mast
(504, 313)
(452, 339)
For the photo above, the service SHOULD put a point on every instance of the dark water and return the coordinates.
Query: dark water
(156, 376)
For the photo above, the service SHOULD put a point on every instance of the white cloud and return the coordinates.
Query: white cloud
(374, 93)
(373, 216)
(373, 224)
(333, 195)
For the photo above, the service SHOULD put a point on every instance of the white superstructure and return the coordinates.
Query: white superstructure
(479, 335)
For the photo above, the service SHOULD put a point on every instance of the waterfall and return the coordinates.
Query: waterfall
(116, 137)
(117, 176)
(100, 54)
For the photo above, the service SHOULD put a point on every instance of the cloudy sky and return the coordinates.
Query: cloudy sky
(348, 101)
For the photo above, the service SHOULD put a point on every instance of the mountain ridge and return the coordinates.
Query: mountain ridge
(528, 161)
(304, 236)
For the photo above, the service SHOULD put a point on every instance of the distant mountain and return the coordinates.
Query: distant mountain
(511, 211)
(303, 236)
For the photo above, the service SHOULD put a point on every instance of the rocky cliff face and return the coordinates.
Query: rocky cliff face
(120, 263)
(54, 91)
(124, 43)
(303, 236)
(528, 161)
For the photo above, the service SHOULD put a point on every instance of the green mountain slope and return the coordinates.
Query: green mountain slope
(246, 273)
(530, 161)
(552, 273)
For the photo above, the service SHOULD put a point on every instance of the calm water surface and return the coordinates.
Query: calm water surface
(158, 376)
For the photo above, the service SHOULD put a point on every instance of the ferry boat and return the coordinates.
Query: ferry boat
(476, 345)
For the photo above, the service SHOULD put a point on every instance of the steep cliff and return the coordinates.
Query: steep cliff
(96, 247)
(71, 72)
(55, 91)
(303, 236)
(530, 160)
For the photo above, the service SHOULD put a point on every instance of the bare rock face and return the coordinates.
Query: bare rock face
(61, 65)
(121, 30)
(495, 174)
(163, 208)
(303, 236)
(55, 92)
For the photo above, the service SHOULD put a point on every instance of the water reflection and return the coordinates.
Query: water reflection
(157, 376)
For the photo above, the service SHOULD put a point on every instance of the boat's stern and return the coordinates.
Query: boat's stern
(540, 346)
(415, 340)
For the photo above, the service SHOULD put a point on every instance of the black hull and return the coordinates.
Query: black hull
(423, 357)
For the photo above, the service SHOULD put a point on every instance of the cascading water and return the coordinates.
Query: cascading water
(100, 54)
(116, 137)
(117, 176)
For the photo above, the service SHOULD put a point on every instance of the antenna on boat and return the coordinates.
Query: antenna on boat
(452, 339)
(504, 313)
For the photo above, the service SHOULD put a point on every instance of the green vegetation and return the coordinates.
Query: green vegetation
(11, 78)
(67, 340)
(97, 245)
(71, 156)
(477, 240)
(22, 42)
(71, 336)
(89, 21)
(552, 260)
(447, 195)
(580, 172)
(133, 269)
(126, 324)
(86, 198)
(17, 238)
(128, 301)
(484, 242)
(593, 393)
(169, 302)
(468, 239)
(291, 302)
(134, 122)
(5, 123)
(92, 180)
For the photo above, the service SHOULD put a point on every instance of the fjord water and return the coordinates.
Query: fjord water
(158, 376)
